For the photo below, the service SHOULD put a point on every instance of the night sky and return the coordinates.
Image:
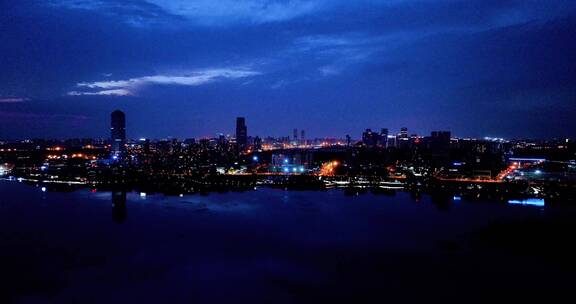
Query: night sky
(187, 68)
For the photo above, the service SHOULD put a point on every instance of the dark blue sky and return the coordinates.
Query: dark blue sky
(187, 68)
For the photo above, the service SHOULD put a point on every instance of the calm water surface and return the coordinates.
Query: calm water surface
(276, 246)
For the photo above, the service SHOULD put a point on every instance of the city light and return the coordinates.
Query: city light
(216, 158)
(328, 168)
(538, 202)
(294, 151)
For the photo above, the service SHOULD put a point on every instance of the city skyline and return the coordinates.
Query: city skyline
(117, 126)
(188, 68)
(287, 151)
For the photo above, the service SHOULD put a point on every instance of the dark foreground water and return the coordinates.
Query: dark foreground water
(276, 246)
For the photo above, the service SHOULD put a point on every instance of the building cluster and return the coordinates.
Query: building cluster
(219, 160)
(402, 140)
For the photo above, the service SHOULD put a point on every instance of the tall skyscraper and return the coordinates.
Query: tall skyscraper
(118, 132)
(368, 138)
(404, 132)
(257, 143)
(221, 139)
(373, 139)
(241, 133)
(383, 138)
(295, 134)
(402, 140)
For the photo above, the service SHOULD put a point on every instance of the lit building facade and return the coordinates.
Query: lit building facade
(118, 132)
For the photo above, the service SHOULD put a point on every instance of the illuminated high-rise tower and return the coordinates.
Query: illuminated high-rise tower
(118, 132)
(404, 132)
(383, 138)
(403, 140)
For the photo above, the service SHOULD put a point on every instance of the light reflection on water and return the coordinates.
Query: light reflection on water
(259, 244)
(538, 202)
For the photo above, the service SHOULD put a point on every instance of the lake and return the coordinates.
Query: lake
(277, 246)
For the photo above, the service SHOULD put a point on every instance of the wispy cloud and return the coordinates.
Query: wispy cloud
(118, 92)
(257, 11)
(341, 40)
(132, 85)
(12, 99)
(137, 13)
(335, 53)
(329, 70)
(39, 116)
(207, 12)
(392, 14)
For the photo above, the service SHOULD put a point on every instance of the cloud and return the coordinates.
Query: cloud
(117, 92)
(132, 85)
(330, 55)
(279, 84)
(12, 99)
(138, 13)
(257, 11)
(385, 14)
(206, 12)
(329, 70)
(41, 116)
(340, 40)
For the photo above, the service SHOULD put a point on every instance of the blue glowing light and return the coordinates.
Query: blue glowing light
(255, 158)
(538, 202)
(457, 164)
(286, 170)
(538, 172)
(115, 157)
(457, 198)
(294, 169)
(285, 160)
(301, 169)
(527, 159)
